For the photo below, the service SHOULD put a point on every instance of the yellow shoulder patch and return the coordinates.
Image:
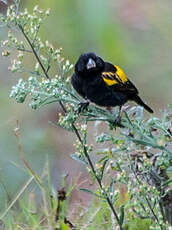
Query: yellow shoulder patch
(108, 78)
(110, 82)
(112, 78)
(120, 73)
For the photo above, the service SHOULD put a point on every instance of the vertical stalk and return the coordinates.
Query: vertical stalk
(75, 131)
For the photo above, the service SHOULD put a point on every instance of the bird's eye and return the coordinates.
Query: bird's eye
(91, 63)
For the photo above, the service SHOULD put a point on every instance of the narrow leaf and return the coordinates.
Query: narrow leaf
(111, 188)
(76, 158)
(90, 192)
(121, 217)
(166, 182)
(102, 169)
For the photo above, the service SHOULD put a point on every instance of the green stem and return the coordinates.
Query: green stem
(97, 178)
(34, 51)
(75, 131)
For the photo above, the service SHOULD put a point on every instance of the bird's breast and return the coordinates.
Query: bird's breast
(92, 87)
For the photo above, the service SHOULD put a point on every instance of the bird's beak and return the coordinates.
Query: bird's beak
(91, 63)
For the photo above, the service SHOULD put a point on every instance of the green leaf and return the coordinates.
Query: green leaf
(102, 159)
(112, 194)
(63, 226)
(93, 178)
(121, 217)
(166, 182)
(90, 192)
(111, 187)
(77, 158)
(102, 169)
(141, 142)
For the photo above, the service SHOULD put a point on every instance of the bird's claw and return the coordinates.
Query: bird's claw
(83, 106)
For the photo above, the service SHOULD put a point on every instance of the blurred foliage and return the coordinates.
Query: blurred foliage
(133, 34)
(140, 157)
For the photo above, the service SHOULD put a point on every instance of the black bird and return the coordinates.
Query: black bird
(103, 83)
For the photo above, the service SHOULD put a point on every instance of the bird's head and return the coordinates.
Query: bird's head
(89, 63)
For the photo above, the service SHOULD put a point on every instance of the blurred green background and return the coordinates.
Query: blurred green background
(136, 35)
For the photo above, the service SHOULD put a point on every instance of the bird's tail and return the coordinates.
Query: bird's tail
(139, 101)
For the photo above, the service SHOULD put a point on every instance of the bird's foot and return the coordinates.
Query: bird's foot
(83, 106)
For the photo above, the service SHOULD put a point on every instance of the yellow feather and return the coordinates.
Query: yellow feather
(111, 81)
(121, 74)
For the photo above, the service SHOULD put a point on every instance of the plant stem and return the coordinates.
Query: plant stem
(75, 131)
(93, 169)
(34, 51)
(97, 178)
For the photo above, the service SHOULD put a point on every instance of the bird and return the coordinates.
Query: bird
(104, 84)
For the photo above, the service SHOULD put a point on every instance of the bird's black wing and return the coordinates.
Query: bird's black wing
(115, 78)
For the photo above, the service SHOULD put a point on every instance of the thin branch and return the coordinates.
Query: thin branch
(34, 51)
(75, 131)
(94, 171)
